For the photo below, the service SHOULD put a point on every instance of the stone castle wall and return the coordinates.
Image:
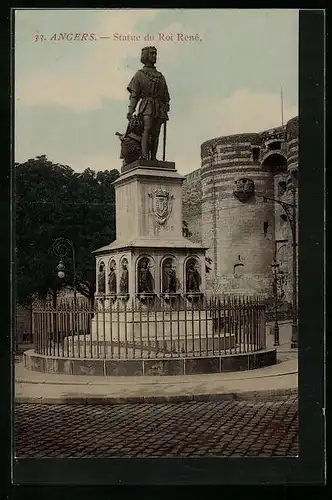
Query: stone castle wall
(244, 237)
(192, 204)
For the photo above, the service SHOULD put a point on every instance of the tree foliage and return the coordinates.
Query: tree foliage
(53, 201)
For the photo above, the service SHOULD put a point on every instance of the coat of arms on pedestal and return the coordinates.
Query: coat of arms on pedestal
(161, 205)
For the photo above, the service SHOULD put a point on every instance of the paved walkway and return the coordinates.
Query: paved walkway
(186, 429)
(280, 379)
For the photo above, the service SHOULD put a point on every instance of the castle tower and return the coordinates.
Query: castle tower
(292, 135)
(292, 132)
(238, 222)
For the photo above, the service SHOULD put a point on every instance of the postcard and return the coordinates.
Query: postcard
(157, 233)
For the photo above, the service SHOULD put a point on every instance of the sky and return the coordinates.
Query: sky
(71, 97)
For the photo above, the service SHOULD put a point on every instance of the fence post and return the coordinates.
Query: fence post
(263, 326)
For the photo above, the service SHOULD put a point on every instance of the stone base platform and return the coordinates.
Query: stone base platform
(83, 346)
(146, 367)
(159, 321)
(157, 326)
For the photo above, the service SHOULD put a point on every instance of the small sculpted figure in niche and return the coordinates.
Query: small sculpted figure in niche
(112, 279)
(101, 278)
(145, 279)
(169, 278)
(124, 281)
(193, 278)
(148, 86)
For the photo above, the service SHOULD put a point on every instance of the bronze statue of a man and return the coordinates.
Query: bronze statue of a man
(149, 87)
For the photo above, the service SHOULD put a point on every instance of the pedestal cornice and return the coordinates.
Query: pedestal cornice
(148, 163)
(150, 243)
(144, 172)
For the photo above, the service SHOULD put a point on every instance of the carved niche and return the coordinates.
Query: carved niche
(124, 280)
(161, 205)
(101, 278)
(244, 189)
(193, 278)
(169, 280)
(145, 281)
(112, 278)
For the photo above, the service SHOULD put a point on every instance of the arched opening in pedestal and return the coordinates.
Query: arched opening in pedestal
(145, 281)
(124, 277)
(112, 278)
(193, 278)
(170, 284)
(101, 281)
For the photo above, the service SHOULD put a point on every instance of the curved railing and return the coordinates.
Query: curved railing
(147, 328)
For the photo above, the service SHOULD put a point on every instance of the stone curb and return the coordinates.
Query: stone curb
(107, 400)
(55, 382)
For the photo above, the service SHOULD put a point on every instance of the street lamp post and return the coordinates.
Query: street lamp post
(275, 267)
(290, 211)
(61, 246)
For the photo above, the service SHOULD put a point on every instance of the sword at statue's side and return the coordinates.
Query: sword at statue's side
(164, 141)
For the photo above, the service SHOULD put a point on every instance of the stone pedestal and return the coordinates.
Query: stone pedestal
(149, 239)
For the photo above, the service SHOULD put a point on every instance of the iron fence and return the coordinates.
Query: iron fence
(150, 328)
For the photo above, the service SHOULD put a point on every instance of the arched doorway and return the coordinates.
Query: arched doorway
(275, 162)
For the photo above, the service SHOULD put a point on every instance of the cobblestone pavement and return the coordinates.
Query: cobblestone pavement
(216, 428)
